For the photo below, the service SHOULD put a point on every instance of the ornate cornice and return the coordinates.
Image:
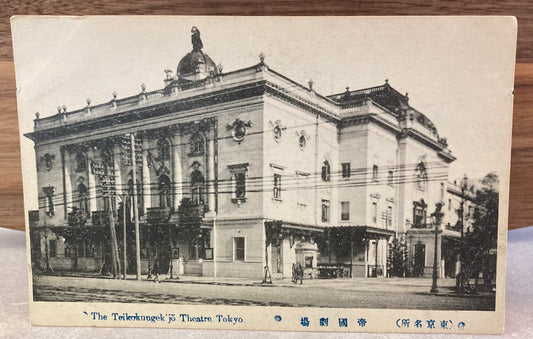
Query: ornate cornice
(354, 121)
(281, 93)
(157, 110)
(367, 119)
(412, 133)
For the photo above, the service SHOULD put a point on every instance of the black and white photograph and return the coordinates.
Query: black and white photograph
(327, 173)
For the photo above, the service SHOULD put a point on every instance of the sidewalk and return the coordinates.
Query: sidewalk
(419, 286)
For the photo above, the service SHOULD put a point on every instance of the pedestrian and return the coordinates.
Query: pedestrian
(297, 273)
(156, 270)
(293, 273)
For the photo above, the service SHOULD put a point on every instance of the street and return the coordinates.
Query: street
(387, 293)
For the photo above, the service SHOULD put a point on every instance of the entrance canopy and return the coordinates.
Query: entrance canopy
(359, 232)
(77, 233)
(278, 229)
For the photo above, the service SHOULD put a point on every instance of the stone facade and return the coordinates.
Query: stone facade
(266, 165)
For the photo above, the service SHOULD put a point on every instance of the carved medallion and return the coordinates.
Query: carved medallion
(278, 129)
(47, 159)
(303, 137)
(239, 129)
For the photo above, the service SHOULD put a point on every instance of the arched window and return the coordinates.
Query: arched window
(83, 198)
(197, 144)
(421, 176)
(163, 148)
(197, 188)
(326, 171)
(81, 162)
(107, 157)
(164, 192)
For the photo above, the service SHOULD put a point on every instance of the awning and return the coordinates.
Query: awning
(366, 231)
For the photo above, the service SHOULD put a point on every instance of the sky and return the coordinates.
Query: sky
(458, 71)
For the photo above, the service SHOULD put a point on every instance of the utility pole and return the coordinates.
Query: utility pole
(135, 207)
(47, 268)
(106, 176)
(214, 244)
(437, 217)
(114, 242)
(461, 280)
(125, 246)
(269, 234)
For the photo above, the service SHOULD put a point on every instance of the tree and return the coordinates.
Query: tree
(397, 258)
(480, 245)
(190, 218)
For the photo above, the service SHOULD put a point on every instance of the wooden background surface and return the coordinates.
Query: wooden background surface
(521, 194)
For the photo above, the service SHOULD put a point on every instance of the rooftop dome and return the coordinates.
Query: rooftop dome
(195, 62)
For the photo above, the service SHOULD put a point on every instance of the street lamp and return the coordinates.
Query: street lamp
(436, 218)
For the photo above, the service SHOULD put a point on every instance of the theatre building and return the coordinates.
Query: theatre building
(237, 170)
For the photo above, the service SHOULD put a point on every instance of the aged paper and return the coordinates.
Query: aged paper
(267, 173)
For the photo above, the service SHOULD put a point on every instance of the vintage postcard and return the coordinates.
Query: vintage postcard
(267, 173)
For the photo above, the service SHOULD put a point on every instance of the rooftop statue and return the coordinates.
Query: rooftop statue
(197, 44)
(196, 61)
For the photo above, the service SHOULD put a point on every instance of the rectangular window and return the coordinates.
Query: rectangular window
(49, 200)
(325, 210)
(419, 216)
(346, 170)
(277, 186)
(302, 189)
(375, 173)
(391, 177)
(345, 210)
(442, 192)
(240, 185)
(374, 212)
(238, 178)
(308, 262)
(52, 248)
(239, 248)
(449, 204)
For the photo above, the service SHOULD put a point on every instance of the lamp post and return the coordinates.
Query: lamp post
(436, 217)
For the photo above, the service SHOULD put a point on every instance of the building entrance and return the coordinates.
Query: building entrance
(277, 260)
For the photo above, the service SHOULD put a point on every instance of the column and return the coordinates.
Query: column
(366, 258)
(211, 170)
(67, 164)
(91, 180)
(384, 254)
(145, 179)
(402, 202)
(177, 175)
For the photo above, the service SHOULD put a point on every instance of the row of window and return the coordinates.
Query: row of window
(90, 251)
(345, 212)
(196, 147)
(347, 172)
(198, 191)
(84, 250)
